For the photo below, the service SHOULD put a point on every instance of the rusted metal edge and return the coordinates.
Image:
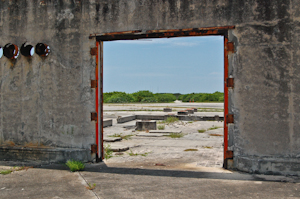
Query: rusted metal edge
(94, 148)
(93, 51)
(230, 119)
(192, 29)
(94, 83)
(230, 47)
(115, 33)
(229, 154)
(230, 82)
(94, 116)
(163, 33)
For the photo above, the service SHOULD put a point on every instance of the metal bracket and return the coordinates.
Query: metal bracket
(94, 51)
(230, 119)
(94, 116)
(229, 154)
(230, 47)
(230, 82)
(94, 148)
(94, 83)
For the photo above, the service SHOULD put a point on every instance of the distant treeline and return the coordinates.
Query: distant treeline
(149, 97)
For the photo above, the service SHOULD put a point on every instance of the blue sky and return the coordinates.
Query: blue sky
(174, 65)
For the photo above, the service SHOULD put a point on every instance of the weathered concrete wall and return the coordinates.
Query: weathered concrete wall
(50, 100)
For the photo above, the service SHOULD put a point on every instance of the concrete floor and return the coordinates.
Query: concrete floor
(166, 171)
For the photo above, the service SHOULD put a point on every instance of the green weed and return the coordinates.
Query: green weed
(91, 186)
(108, 153)
(5, 172)
(161, 127)
(75, 165)
(201, 130)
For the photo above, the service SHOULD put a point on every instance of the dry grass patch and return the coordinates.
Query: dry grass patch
(214, 134)
(191, 150)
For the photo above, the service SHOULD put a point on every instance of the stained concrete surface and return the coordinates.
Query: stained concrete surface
(114, 181)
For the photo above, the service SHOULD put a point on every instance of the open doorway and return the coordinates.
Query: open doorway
(184, 122)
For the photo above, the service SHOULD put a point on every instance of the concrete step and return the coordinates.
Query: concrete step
(118, 147)
(164, 131)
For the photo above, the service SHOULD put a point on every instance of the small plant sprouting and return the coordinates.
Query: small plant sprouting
(161, 127)
(175, 135)
(75, 165)
(201, 130)
(108, 153)
(91, 186)
(207, 147)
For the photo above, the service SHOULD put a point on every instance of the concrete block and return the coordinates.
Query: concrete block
(182, 113)
(44, 155)
(144, 125)
(167, 109)
(127, 118)
(107, 122)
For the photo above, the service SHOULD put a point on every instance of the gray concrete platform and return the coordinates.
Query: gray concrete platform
(147, 180)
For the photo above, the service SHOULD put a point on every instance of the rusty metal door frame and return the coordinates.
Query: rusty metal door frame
(139, 34)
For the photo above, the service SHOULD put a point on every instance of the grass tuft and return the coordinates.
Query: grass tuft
(214, 127)
(169, 120)
(5, 172)
(75, 165)
(161, 127)
(208, 147)
(136, 154)
(108, 153)
(201, 130)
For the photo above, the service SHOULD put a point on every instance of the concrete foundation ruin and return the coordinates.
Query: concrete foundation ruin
(47, 99)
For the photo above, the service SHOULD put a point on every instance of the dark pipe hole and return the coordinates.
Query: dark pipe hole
(27, 50)
(42, 49)
(11, 51)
